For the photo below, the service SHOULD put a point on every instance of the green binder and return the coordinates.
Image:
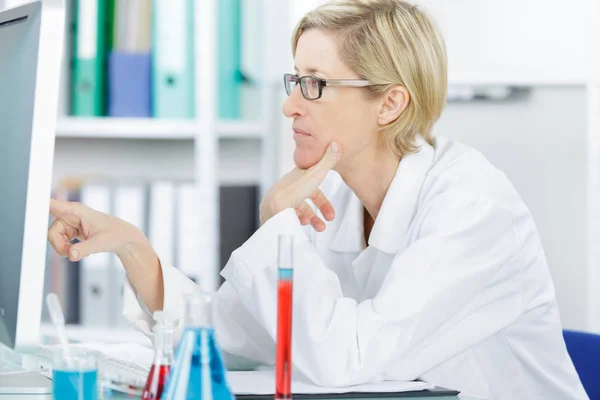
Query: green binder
(90, 31)
(229, 59)
(173, 87)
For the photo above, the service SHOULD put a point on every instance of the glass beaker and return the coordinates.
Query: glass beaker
(198, 371)
(74, 374)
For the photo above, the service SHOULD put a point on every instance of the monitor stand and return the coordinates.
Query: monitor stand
(15, 380)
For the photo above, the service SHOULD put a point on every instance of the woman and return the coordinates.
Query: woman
(419, 261)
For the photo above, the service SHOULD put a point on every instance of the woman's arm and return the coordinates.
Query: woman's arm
(150, 285)
(461, 271)
(244, 342)
(98, 232)
(143, 270)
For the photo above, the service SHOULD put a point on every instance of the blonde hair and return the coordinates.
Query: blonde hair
(389, 43)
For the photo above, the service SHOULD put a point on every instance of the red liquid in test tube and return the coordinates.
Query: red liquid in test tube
(283, 359)
(164, 330)
(156, 381)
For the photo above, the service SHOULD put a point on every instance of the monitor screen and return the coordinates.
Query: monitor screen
(18, 66)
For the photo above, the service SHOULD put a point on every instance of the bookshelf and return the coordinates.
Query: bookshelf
(210, 151)
(147, 128)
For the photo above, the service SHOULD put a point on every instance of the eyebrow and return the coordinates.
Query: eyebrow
(310, 71)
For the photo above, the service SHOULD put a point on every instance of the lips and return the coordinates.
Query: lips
(300, 132)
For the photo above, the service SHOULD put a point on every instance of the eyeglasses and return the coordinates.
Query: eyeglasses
(312, 86)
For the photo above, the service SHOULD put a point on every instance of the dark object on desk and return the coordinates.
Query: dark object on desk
(438, 393)
(238, 218)
(584, 349)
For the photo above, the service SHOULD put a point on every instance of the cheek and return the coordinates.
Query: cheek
(308, 152)
(350, 122)
(354, 127)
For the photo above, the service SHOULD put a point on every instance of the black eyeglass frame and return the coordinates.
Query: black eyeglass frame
(358, 83)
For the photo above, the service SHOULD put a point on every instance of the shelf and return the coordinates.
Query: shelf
(148, 128)
(483, 79)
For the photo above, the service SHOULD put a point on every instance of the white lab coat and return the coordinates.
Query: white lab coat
(453, 288)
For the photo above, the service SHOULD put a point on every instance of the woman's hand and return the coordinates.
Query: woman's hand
(96, 231)
(295, 187)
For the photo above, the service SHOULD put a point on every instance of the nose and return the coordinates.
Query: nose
(292, 106)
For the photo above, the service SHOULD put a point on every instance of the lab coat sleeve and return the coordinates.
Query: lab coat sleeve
(453, 287)
(244, 343)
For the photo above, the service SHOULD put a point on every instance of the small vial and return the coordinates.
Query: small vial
(163, 356)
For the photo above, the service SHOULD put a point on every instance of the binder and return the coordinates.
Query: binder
(62, 275)
(95, 284)
(161, 222)
(173, 59)
(129, 85)
(252, 54)
(229, 58)
(251, 38)
(129, 61)
(130, 206)
(188, 235)
(66, 68)
(89, 57)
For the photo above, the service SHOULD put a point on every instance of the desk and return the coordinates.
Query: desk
(125, 397)
(48, 337)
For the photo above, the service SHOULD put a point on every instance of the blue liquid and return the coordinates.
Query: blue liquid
(74, 385)
(187, 375)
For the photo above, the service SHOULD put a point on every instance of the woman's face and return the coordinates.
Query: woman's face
(342, 114)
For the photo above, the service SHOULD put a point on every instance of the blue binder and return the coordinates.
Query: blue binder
(129, 83)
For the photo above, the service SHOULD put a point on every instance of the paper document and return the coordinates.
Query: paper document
(263, 382)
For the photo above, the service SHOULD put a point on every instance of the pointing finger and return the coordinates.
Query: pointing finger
(59, 208)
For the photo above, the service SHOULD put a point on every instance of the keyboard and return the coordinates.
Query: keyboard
(116, 372)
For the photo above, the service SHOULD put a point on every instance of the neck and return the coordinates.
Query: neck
(369, 175)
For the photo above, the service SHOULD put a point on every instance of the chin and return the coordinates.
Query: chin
(306, 158)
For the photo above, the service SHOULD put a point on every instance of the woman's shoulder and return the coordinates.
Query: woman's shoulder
(461, 170)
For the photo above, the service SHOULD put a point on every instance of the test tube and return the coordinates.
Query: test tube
(283, 361)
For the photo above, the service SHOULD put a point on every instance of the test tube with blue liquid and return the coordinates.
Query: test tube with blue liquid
(198, 371)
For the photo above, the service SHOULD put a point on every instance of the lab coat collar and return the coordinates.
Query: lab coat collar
(396, 211)
(350, 234)
(400, 202)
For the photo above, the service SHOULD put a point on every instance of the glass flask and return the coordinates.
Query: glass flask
(198, 371)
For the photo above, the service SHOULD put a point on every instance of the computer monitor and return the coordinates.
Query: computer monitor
(31, 47)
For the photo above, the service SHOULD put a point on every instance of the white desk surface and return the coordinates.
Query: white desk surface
(120, 335)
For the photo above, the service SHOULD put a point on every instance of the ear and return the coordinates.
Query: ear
(392, 104)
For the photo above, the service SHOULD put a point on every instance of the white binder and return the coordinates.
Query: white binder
(130, 206)
(95, 283)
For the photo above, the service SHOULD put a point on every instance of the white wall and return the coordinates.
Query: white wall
(528, 41)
